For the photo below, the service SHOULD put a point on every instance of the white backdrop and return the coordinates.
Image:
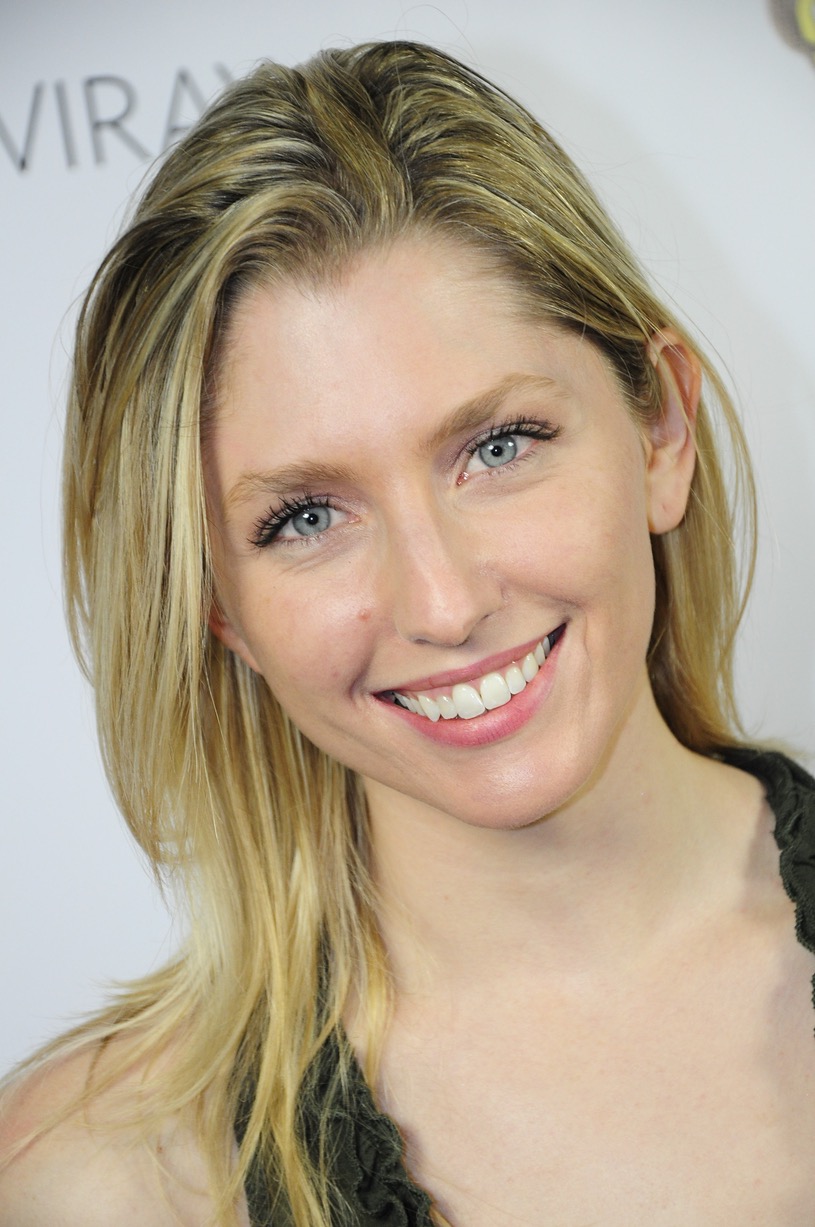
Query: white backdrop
(696, 122)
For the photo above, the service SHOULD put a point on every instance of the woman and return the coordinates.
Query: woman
(400, 556)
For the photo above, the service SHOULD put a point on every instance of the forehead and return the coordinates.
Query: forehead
(436, 272)
(399, 306)
(391, 353)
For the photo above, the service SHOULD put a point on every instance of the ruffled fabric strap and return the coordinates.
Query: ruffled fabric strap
(791, 794)
(365, 1149)
(369, 1164)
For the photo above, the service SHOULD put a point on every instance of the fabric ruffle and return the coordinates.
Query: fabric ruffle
(364, 1148)
(791, 794)
(370, 1164)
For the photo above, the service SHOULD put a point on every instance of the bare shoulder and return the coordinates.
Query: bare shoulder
(89, 1170)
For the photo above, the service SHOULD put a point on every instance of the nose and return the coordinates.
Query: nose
(440, 584)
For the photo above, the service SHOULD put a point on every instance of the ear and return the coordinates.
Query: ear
(225, 630)
(671, 451)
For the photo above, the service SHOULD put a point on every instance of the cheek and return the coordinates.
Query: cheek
(309, 639)
(581, 537)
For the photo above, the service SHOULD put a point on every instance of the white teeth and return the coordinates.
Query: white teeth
(515, 679)
(529, 666)
(468, 701)
(494, 691)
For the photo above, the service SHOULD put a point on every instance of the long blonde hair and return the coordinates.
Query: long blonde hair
(264, 837)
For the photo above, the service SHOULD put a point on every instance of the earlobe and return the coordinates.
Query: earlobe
(671, 436)
(225, 631)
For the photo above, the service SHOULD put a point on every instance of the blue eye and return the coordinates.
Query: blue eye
(295, 520)
(507, 442)
(309, 522)
(498, 451)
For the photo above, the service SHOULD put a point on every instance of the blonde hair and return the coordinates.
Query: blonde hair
(291, 173)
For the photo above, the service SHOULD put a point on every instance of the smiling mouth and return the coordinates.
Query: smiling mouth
(470, 699)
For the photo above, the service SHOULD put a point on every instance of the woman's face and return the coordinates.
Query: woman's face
(417, 495)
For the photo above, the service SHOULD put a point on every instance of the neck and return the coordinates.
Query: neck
(590, 885)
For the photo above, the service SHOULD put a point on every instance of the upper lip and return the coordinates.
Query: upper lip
(468, 673)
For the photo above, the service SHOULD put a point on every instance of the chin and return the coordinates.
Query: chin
(510, 804)
(528, 794)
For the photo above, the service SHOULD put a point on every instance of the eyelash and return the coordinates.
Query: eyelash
(268, 528)
(544, 431)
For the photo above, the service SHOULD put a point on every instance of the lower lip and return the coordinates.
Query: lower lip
(493, 725)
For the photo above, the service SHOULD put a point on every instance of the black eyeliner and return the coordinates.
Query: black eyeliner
(268, 527)
(528, 429)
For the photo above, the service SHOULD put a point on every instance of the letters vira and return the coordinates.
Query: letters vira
(85, 122)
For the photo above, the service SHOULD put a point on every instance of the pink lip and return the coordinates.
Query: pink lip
(469, 673)
(492, 725)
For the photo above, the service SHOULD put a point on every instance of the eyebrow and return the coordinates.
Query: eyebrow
(464, 418)
(473, 413)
